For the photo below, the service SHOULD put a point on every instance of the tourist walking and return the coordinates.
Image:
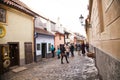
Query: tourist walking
(72, 50)
(87, 46)
(83, 48)
(63, 54)
(52, 50)
(67, 50)
(58, 53)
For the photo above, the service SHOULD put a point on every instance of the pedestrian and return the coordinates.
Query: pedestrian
(67, 50)
(78, 49)
(87, 46)
(83, 48)
(52, 50)
(63, 53)
(58, 53)
(72, 50)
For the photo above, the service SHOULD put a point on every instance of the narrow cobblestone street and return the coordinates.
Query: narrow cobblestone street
(79, 68)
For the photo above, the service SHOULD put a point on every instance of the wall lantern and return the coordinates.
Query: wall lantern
(81, 18)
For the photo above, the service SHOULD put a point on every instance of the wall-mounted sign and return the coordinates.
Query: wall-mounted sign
(2, 15)
(2, 31)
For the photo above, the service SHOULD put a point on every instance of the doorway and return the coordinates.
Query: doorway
(44, 50)
(14, 53)
(28, 52)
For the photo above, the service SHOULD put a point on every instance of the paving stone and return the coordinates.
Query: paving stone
(79, 68)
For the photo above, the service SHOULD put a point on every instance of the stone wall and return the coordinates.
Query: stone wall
(108, 67)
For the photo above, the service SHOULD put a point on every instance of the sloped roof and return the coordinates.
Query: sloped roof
(57, 32)
(44, 32)
(17, 4)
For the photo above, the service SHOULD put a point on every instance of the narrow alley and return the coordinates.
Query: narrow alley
(79, 68)
(35, 33)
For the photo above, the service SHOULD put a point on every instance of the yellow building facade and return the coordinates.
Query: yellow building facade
(103, 32)
(19, 33)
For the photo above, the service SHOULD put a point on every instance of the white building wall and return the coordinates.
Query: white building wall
(44, 39)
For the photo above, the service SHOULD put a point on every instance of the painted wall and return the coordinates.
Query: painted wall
(19, 28)
(58, 41)
(44, 39)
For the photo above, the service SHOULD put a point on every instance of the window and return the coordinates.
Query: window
(67, 36)
(59, 37)
(49, 46)
(38, 46)
(2, 15)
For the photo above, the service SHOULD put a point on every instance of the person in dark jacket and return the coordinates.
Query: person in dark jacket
(87, 46)
(72, 50)
(63, 53)
(83, 48)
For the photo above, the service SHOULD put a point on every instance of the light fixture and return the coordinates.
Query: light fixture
(87, 24)
(81, 18)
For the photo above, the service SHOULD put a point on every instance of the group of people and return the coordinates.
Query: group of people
(65, 49)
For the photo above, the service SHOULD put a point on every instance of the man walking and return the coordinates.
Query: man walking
(72, 50)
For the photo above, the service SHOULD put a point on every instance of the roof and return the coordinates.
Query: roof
(57, 32)
(16, 4)
(44, 32)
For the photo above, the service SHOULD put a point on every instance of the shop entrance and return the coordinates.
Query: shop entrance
(14, 53)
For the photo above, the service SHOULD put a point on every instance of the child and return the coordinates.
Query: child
(58, 53)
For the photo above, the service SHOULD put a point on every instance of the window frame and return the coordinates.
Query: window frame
(49, 46)
(2, 15)
(38, 46)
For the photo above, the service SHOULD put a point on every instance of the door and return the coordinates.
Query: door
(14, 53)
(28, 53)
(44, 50)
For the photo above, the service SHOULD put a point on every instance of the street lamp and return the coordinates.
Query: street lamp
(81, 18)
(87, 23)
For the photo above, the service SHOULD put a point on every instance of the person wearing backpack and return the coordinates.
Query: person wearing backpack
(52, 50)
(63, 54)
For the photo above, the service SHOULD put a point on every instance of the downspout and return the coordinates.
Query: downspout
(35, 59)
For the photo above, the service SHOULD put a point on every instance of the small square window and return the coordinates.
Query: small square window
(38, 46)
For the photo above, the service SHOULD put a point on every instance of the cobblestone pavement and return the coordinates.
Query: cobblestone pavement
(79, 68)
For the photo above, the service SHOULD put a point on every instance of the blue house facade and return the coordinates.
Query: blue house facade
(44, 40)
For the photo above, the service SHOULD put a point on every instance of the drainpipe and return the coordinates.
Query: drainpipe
(35, 59)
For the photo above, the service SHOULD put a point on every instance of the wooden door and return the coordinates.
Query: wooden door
(14, 53)
(28, 53)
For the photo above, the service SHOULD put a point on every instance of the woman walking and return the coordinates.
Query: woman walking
(63, 54)
(67, 50)
(83, 48)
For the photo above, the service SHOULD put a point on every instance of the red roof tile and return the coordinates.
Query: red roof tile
(19, 6)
